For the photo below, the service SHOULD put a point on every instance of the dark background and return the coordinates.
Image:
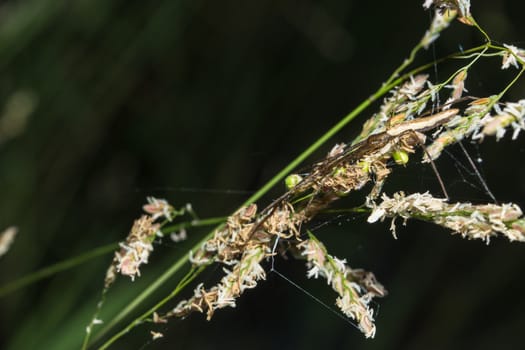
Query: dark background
(202, 102)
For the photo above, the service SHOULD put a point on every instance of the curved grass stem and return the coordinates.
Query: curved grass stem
(55, 268)
(190, 276)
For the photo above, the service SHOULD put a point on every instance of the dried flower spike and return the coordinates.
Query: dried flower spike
(355, 288)
(244, 275)
(135, 251)
(472, 221)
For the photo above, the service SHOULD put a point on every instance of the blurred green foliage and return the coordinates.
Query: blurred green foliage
(105, 102)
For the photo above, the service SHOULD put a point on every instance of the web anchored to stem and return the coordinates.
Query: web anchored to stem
(403, 125)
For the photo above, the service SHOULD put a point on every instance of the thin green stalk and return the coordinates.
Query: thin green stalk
(140, 298)
(405, 63)
(466, 67)
(92, 254)
(513, 81)
(355, 210)
(190, 276)
(504, 91)
(478, 27)
(56, 268)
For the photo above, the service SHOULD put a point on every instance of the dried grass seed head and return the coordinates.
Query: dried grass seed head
(355, 288)
(469, 220)
(137, 248)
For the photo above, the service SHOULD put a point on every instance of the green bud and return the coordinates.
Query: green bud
(400, 157)
(292, 180)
